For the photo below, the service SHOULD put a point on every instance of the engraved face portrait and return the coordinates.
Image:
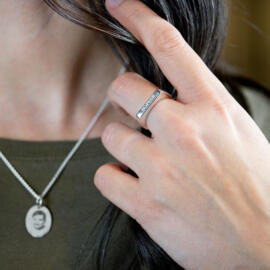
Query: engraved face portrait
(39, 220)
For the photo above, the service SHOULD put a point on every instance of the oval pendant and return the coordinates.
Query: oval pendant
(38, 221)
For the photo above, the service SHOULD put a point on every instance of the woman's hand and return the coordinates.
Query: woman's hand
(203, 186)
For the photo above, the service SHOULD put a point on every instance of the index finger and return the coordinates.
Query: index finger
(178, 61)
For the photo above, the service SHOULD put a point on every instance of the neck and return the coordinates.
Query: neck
(52, 73)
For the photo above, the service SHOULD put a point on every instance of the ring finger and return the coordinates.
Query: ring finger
(130, 91)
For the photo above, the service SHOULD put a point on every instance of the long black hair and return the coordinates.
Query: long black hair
(203, 24)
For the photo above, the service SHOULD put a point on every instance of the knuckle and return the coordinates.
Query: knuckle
(162, 111)
(176, 124)
(181, 130)
(193, 142)
(188, 135)
(222, 102)
(109, 130)
(164, 106)
(167, 40)
(130, 145)
(190, 131)
(148, 211)
(191, 136)
(122, 81)
(167, 173)
(161, 168)
(219, 107)
(222, 106)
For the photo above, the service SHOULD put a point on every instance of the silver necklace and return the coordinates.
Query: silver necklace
(38, 220)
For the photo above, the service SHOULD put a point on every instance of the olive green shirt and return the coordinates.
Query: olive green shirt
(74, 201)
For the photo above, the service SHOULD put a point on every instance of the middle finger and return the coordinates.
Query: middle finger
(178, 61)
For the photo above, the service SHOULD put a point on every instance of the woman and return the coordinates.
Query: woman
(197, 204)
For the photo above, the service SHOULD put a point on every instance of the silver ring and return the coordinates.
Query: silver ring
(146, 106)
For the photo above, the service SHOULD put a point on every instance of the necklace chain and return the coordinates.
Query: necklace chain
(39, 198)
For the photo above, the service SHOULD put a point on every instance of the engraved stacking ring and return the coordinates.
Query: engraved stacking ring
(144, 111)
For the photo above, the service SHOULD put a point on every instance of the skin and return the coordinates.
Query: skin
(205, 198)
(52, 75)
(203, 189)
(38, 222)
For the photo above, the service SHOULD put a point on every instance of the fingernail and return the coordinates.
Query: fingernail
(114, 3)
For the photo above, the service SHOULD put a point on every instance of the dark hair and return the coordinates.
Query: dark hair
(203, 24)
(39, 213)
